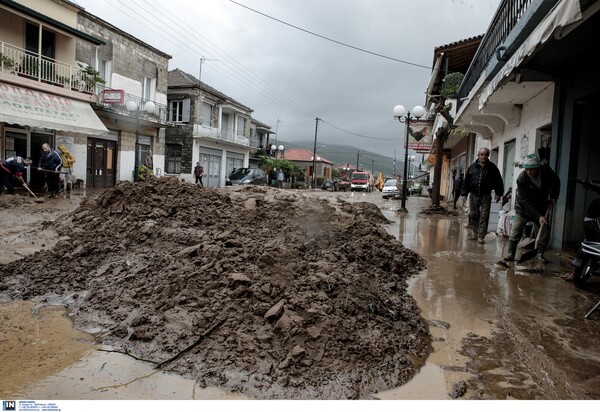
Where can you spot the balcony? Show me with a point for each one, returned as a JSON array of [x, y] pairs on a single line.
[[514, 20], [20, 62], [118, 105], [223, 133]]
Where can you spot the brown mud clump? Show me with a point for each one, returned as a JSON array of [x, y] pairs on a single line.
[[268, 292]]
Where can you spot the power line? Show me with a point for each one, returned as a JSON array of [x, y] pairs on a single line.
[[239, 75], [330, 39], [358, 134]]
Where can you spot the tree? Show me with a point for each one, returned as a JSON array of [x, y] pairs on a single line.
[[289, 168], [451, 84]]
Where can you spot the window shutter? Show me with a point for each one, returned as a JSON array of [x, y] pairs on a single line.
[[185, 118]]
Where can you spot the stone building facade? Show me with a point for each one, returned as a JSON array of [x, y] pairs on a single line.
[[132, 103]]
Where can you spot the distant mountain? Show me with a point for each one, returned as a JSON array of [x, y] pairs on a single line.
[[344, 154]]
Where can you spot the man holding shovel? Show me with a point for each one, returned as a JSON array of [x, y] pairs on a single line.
[[537, 190], [50, 163], [10, 168]]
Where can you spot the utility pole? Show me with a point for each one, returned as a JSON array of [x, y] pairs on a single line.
[[357, 159], [314, 171], [277, 131]]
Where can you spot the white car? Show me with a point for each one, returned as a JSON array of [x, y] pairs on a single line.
[[390, 189]]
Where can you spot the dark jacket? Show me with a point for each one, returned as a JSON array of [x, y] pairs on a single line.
[[14, 166], [458, 183], [50, 161], [481, 180], [198, 171], [532, 202]]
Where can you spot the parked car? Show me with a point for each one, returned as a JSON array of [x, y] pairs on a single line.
[[341, 185], [328, 185], [415, 189], [247, 176], [390, 189]]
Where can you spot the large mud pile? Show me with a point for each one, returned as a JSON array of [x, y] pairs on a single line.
[[268, 292]]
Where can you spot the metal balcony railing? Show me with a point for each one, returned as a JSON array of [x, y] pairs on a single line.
[[508, 14], [20, 62], [225, 134], [158, 114]]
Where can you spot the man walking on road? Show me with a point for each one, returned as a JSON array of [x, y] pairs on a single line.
[[481, 178], [198, 173]]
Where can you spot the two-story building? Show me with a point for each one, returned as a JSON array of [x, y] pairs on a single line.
[[132, 104], [75, 81], [210, 128], [45, 96]]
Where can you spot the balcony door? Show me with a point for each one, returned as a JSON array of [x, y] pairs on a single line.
[[44, 45]]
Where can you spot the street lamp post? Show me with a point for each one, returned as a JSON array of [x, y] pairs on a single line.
[[406, 117], [133, 106], [278, 153]]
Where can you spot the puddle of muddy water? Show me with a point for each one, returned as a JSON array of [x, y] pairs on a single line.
[[43, 357]]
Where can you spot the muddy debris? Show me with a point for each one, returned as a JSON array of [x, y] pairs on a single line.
[[439, 210], [268, 292]]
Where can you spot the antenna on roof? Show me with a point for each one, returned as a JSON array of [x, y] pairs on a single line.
[[202, 60]]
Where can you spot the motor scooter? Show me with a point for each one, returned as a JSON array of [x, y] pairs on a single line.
[[587, 260]]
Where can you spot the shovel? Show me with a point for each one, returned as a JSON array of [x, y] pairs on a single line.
[[36, 199], [527, 243], [49, 171], [530, 254]]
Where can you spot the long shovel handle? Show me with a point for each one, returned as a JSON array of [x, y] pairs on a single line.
[[29, 190], [548, 211], [47, 170]]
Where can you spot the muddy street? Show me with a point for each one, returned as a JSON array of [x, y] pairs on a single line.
[[516, 333]]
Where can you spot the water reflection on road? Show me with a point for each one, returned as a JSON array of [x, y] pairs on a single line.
[[471, 304]]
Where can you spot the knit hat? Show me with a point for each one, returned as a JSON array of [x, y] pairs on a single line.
[[531, 161]]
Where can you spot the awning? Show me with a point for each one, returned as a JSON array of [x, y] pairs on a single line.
[[564, 13], [33, 108]]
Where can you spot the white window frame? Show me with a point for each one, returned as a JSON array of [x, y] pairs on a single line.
[[176, 111], [148, 88]]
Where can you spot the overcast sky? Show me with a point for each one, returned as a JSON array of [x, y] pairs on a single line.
[[289, 75]]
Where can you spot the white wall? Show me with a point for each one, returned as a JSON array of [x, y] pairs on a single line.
[[126, 165], [536, 113]]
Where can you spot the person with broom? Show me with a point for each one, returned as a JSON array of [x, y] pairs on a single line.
[[11, 168], [537, 190]]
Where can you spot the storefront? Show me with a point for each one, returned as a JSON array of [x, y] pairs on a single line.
[[30, 118]]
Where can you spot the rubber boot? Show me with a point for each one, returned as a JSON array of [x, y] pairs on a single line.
[[540, 255], [512, 250]]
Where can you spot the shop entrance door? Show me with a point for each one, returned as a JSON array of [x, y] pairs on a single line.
[[101, 163]]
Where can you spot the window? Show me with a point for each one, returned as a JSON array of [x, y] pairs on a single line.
[[206, 113], [241, 129], [104, 70], [173, 158], [179, 111], [176, 111], [148, 88]]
